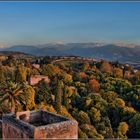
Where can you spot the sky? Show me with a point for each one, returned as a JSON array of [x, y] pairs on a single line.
[[62, 22]]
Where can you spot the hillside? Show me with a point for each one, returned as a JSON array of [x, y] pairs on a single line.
[[103, 97]]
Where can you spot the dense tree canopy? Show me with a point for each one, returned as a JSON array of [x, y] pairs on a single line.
[[99, 95]]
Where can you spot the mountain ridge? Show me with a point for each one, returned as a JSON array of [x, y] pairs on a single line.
[[96, 50]]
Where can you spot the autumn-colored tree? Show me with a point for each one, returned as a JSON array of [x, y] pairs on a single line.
[[106, 67], [64, 112], [127, 113], [94, 68], [94, 85], [122, 130], [83, 76], [50, 70], [86, 66], [45, 107], [117, 72], [67, 78], [119, 102]]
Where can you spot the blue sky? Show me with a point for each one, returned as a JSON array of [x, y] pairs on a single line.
[[45, 22]]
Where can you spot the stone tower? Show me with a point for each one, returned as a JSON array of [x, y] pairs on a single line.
[[38, 124]]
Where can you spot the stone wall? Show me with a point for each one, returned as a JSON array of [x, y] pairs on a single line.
[[24, 125], [14, 128]]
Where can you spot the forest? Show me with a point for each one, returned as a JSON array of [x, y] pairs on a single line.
[[102, 96]]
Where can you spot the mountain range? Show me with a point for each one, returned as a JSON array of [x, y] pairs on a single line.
[[113, 52]]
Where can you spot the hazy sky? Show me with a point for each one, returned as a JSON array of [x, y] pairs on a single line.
[[44, 22]]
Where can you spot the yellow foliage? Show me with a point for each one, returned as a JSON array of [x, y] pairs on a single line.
[[29, 97], [118, 72], [95, 114], [123, 128], [51, 70], [67, 77], [70, 91], [129, 109], [65, 113], [47, 107], [120, 102]]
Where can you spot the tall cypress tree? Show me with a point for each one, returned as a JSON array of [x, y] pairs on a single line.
[[21, 73], [58, 98], [65, 98], [2, 77]]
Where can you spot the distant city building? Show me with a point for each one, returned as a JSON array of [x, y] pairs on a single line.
[[37, 66], [2, 57], [34, 79]]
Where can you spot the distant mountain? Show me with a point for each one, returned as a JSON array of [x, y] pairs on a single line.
[[120, 52]]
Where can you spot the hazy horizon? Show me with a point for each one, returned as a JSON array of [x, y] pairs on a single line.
[[33, 23]]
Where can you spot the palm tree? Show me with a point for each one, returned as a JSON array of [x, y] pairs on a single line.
[[11, 95]]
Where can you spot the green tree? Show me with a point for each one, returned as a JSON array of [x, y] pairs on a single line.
[[109, 96], [11, 95], [59, 93], [95, 115], [91, 131], [81, 134], [29, 97], [83, 118], [2, 76], [104, 127], [21, 73], [43, 93], [134, 125], [137, 77]]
